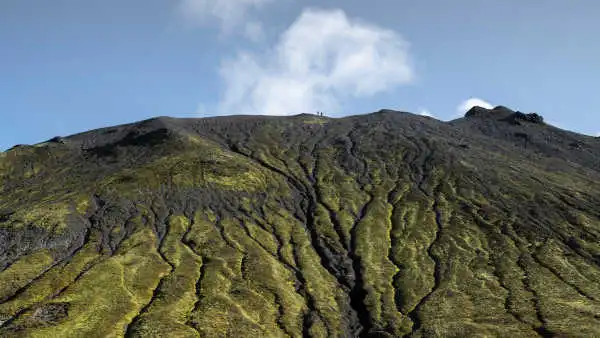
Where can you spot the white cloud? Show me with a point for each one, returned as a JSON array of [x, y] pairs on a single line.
[[254, 31], [470, 103], [323, 57], [425, 112], [230, 13]]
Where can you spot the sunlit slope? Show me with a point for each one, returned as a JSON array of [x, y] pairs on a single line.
[[383, 225]]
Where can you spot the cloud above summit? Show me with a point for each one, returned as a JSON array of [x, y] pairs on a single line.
[[466, 105], [322, 58]]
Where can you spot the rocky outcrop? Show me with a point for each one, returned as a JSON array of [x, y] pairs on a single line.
[[530, 118]]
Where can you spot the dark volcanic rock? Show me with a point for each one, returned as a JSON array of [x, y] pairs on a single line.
[[498, 112], [531, 117], [380, 225], [57, 139], [477, 111]]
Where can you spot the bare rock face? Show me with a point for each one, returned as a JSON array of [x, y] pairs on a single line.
[[531, 117], [57, 139], [506, 114], [477, 111], [380, 225]]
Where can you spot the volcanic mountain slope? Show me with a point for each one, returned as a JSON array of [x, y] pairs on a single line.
[[382, 225]]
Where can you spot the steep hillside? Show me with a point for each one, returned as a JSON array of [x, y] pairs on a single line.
[[381, 225]]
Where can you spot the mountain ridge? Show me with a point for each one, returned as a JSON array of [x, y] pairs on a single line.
[[171, 121], [384, 224]]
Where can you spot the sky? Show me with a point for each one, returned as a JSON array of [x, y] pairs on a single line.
[[67, 66]]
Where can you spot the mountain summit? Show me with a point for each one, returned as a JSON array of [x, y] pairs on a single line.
[[380, 225]]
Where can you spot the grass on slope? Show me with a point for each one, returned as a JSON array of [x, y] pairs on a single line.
[[23, 271], [107, 297], [52, 282], [174, 300]]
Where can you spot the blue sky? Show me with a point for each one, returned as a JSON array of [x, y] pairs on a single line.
[[69, 65]]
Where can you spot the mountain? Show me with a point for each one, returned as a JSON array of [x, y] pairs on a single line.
[[380, 225]]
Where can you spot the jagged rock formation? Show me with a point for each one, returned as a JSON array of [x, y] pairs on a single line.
[[382, 225], [531, 117]]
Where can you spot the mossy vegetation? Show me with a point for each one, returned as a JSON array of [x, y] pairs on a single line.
[[386, 224], [23, 271], [174, 299], [51, 282], [106, 297], [45, 215], [188, 171]]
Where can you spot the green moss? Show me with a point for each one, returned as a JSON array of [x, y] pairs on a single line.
[[49, 213], [14, 164], [282, 226], [20, 273], [272, 282], [341, 194], [44, 215], [318, 329], [472, 282], [372, 246], [189, 170], [109, 295], [218, 314], [52, 281], [168, 314], [245, 307], [417, 231], [249, 290], [263, 237], [328, 296], [562, 307]]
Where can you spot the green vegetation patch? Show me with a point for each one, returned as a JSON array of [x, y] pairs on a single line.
[[190, 170], [23, 271], [563, 306], [108, 296], [372, 246], [50, 216], [52, 281], [169, 311]]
